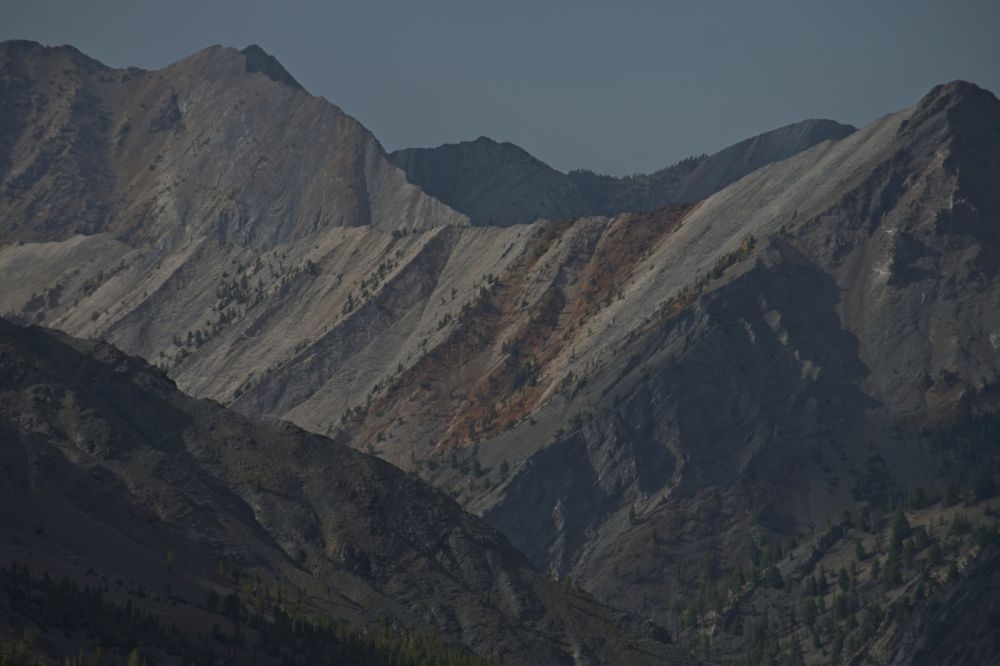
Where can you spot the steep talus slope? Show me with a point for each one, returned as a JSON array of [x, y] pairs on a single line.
[[531, 327], [498, 184], [581, 293], [107, 465]]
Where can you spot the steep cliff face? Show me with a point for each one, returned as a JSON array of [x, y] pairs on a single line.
[[499, 184], [106, 464]]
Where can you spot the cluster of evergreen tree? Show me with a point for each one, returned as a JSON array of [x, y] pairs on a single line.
[[296, 640], [111, 632], [21, 652], [86, 614]]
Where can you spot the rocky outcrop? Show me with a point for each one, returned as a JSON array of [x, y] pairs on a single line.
[[259, 60]]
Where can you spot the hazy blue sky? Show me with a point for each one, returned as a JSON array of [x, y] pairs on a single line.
[[613, 86]]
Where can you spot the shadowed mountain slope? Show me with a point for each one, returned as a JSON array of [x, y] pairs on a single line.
[[499, 184], [495, 184], [108, 467]]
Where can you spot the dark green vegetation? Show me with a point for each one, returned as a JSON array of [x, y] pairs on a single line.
[[856, 592], [104, 631]]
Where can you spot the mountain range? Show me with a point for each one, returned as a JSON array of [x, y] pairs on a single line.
[[500, 184], [674, 393]]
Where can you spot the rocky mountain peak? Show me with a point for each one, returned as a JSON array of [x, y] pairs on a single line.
[[964, 120], [259, 60], [955, 91], [134, 151], [24, 50], [494, 183], [963, 105]]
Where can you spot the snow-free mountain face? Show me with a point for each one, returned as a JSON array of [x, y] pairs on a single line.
[[500, 184], [643, 402], [223, 144], [697, 177]]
